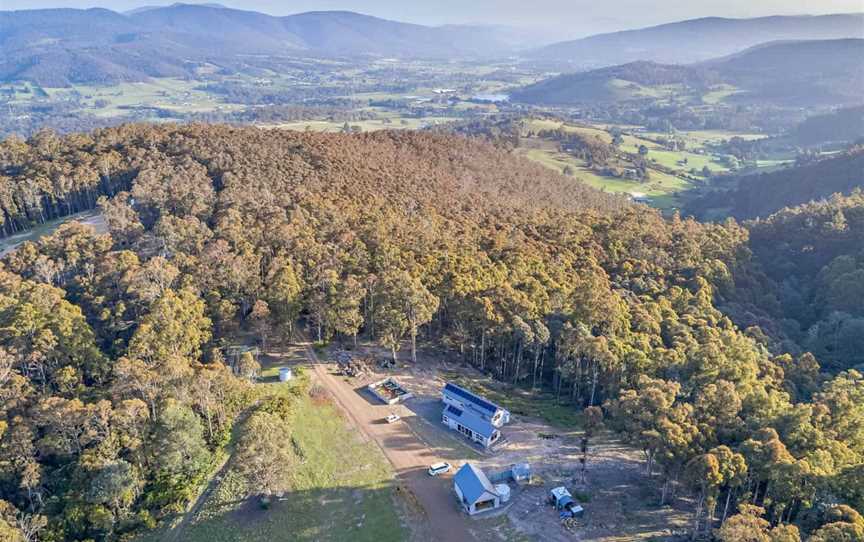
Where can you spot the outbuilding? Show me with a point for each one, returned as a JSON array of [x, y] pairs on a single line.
[[503, 491], [521, 472], [474, 490], [389, 391], [563, 501]]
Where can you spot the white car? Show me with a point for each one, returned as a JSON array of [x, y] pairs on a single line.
[[439, 468], [392, 418]]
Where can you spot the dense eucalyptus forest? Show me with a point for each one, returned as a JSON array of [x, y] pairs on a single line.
[[725, 352]]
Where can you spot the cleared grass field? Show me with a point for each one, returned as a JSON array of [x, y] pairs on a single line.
[[767, 166], [537, 125], [92, 218], [719, 93], [675, 160], [396, 123], [20, 92], [165, 93], [661, 187], [698, 138], [340, 489], [695, 139]]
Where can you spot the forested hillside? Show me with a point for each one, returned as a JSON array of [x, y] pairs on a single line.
[[697, 40], [797, 73], [760, 195], [116, 395], [808, 291], [842, 125], [616, 83], [49, 176], [793, 74]]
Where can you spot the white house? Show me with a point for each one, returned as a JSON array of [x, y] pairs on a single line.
[[472, 415], [470, 425], [465, 400]]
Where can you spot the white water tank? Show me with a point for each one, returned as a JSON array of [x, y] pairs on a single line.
[[503, 491], [285, 374]]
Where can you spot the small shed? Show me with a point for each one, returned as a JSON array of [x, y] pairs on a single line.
[[561, 498], [518, 472], [503, 491], [521, 472], [474, 490], [285, 374]]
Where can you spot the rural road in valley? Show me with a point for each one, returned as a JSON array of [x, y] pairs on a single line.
[[409, 455]]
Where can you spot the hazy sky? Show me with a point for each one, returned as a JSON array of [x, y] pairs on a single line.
[[569, 17]]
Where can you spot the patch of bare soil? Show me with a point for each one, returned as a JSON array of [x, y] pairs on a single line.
[[621, 500]]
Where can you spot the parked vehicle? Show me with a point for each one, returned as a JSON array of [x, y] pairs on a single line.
[[392, 418], [563, 501], [439, 468]]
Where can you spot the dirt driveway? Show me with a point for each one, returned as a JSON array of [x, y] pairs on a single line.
[[408, 453], [622, 499]]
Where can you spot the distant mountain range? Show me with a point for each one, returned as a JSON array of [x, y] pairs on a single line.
[[819, 72], [800, 73], [142, 9], [56, 47], [696, 40]]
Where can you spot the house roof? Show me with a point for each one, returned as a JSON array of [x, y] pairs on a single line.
[[470, 420], [475, 400], [473, 483]]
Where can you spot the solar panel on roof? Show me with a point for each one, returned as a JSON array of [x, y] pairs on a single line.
[[465, 394], [453, 410], [471, 420]]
